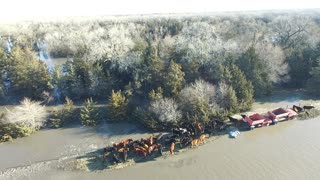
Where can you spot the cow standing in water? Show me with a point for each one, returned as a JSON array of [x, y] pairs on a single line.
[[172, 147]]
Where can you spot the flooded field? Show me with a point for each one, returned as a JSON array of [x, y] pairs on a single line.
[[289, 150], [59, 61]]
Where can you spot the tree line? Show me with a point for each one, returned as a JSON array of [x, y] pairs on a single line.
[[165, 71]]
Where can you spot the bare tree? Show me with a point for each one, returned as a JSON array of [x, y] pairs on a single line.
[[291, 31]]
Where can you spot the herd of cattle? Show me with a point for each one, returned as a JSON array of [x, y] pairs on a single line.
[[188, 136], [153, 145]]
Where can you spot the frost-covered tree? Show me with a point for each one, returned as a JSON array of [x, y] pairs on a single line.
[[30, 114], [166, 111], [274, 58], [198, 42], [198, 100], [291, 31]]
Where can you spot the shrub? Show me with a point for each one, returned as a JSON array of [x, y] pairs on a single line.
[[64, 116], [55, 119], [154, 95], [118, 106], [146, 118], [12, 131], [89, 114]]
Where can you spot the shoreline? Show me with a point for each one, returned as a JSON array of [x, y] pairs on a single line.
[[111, 132], [213, 145]]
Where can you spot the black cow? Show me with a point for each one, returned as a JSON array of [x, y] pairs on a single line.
[[297, 108], [308, 107]]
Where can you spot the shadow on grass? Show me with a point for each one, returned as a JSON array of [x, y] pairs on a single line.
[[97, 160], [100, 160]]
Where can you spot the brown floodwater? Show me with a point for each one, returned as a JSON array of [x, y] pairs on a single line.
[[288, 150]]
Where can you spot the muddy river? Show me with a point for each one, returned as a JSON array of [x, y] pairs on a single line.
[[288, 150]]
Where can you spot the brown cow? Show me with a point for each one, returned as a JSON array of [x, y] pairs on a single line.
[[141, 148], [122, 143], [194, 142], [127, 141], [201, 138], [151, 140], [145, 146], [118, 145], [121, 150], [152, 148], [145, 141], [140, 151], [172, 148]]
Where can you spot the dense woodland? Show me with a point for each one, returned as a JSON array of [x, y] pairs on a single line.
[[162, 70]]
